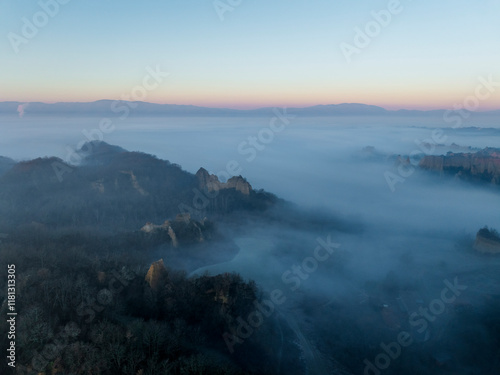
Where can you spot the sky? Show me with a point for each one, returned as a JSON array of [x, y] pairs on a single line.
[[248, 54]]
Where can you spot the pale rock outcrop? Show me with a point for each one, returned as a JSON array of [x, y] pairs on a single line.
[[173, 237], [487, 242], [135, 183], [155, 274], [484, 164], [151, 228], [182, 230], [486, 246], [210, 182]]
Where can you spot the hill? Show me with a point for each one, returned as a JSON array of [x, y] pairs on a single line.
[[116, 190], [5, 164]]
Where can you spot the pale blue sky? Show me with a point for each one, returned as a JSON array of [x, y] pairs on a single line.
[[283, 52]]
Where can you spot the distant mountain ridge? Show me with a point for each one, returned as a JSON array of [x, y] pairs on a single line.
[[117, 107]]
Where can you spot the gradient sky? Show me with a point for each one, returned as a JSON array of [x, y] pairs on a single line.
[[264, 53]]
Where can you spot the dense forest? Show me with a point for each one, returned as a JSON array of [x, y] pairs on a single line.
[[88, 310], [104, 253], [91, 299]]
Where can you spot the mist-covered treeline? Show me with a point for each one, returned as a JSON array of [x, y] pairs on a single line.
[[399, 249], [111, 190], [85, 310]]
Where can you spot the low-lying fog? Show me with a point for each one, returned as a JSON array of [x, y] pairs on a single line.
[[315, 162], [418, 231]]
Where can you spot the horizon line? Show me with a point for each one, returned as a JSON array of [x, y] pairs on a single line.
[[245, 109]]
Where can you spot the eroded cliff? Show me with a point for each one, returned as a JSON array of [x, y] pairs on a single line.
[[483, 165]]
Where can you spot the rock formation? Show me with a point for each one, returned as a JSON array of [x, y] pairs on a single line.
[[135, 183], [173, 237], [182, 230], [150, 227], [483, 165], [487, 241], [119, 192], [155, 273], [210, 182]]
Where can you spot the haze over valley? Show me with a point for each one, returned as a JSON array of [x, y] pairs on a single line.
[[398, 232], [232, 187]]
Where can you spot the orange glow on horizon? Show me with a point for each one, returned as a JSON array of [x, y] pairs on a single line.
[[252, 99]]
